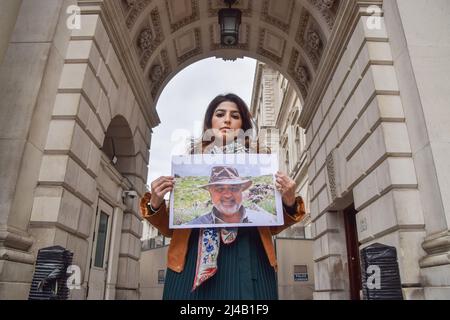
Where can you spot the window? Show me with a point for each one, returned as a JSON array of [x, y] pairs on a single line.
[[101, 240], [300, 272], [161, 276]]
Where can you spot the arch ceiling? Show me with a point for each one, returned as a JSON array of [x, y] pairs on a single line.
[[167, 35]]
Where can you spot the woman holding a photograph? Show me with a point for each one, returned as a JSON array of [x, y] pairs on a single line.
[[246, 265]]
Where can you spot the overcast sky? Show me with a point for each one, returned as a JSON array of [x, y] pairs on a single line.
[[183, 103]]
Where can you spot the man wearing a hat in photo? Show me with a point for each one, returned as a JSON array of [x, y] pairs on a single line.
[[226, 188]]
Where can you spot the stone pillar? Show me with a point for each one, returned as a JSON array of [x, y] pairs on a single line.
[[8, 16], [420, 39], [29, 76], [359, 148]]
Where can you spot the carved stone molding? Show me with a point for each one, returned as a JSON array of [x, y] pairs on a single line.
[[194, 16], [328, 10], [271, 46], [437, 247], [158, 72], [196, 48], [298, 70], [331, 173], [132, 9], [148, 41], [244, 38], [309, 38]]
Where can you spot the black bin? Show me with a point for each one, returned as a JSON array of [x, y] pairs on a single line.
[[380, 273], [50, 274]]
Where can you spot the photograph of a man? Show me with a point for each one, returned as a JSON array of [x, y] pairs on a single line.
[[226, 189]]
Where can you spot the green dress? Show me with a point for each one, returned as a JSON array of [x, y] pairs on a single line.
[[243, 272]]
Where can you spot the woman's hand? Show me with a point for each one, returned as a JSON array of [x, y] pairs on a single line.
[[160, 187], [286, 186]]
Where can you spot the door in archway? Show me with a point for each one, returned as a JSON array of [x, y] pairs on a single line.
[[351, 237], [100, 249]]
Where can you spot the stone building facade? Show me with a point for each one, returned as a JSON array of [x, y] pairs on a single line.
[[79, 86]]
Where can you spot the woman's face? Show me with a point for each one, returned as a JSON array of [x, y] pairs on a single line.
[[226, 120]]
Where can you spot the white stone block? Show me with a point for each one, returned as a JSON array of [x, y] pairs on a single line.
[[379, 52], [317, 120], [80, 50], [355, 168], [70, 210], [86, 185], [390, 107], [88, 26], [314, 205], [346, 120], [94, 159], [323, 131], [321, 157], [53, 168], [125, 243], [350, 83], [334, 111], [66, 104], [384, 77], [327, 100], [373, 149], [356, 41], [408, 207], [324, 200], [402, 171], [309, 136], [95, 129], [311, 170], [73, 76], [396, 137], [102, 39], [113, 63], [104, 76], [314, 146], [331, 140]]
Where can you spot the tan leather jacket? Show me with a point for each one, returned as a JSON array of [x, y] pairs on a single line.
[[179, 243]]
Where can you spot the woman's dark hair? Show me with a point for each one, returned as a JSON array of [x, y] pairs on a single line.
[[244, 112]]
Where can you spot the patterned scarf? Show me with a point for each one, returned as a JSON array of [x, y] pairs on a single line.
[[208, 239]]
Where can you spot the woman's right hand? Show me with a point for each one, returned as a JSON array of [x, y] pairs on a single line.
[[159, 188]]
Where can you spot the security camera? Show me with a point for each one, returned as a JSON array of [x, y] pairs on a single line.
[[130, 194]]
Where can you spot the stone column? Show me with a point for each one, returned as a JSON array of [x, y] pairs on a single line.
[[8, 16], [29, 76], [420, 34]]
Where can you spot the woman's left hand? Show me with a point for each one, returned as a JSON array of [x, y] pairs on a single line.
[[286, 186]]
